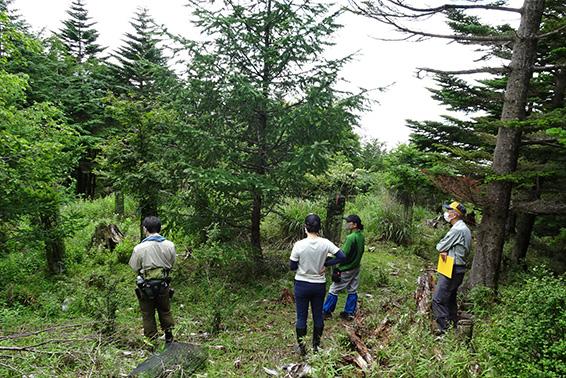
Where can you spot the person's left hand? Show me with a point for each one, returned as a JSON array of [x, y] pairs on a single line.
[[444, 255]]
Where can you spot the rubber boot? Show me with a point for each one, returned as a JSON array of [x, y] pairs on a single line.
[[329, 305], [351, 304], [317, 333], [301, 333]]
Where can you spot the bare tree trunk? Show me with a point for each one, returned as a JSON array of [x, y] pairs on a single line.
[[491, 236], [86, 179], [525, 223]]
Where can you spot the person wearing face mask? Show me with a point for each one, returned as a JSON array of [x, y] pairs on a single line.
[[309, 259], [456, 243], [347, 273]]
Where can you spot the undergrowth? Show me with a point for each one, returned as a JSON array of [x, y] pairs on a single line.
[[86, 321]]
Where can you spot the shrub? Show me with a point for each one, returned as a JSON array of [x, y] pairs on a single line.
[[526, 338], [285, 224]]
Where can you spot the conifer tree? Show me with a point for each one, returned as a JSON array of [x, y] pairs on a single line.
[[141, 71], [510, 126], [537, 175], [142, 79], [267, 96], [78, 33]]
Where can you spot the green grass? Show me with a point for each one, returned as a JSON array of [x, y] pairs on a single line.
[[223, 302]]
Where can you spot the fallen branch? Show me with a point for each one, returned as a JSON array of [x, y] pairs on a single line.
[[383, 326], [360, 347], [50, 329], [10, 367], [31, 348]]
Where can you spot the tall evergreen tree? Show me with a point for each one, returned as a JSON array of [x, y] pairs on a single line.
[[141, 70], [142, 80], [497, 198], [86, 85], [537, 176], [267, 96], [78, 33]]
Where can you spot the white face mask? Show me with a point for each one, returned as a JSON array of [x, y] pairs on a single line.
[[447, 216]]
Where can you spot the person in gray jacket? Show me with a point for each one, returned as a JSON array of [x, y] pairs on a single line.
[[152, 260], [456, 244]]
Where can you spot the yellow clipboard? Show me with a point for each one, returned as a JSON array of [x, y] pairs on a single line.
[[445, 268]]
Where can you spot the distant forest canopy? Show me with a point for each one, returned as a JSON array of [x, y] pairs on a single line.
[[255, 118]]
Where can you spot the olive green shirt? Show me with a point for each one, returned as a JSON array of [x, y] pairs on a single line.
[[353, 249]]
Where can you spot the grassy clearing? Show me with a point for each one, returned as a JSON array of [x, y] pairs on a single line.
[[86, 323]]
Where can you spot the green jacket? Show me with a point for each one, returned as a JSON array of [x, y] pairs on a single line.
[[353, 249]]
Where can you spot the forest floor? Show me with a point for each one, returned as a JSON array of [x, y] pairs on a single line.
[[245, 321]]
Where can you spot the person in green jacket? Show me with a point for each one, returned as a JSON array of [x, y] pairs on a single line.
[[347, 274]]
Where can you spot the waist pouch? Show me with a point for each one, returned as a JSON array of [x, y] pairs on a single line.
[[153, 288]]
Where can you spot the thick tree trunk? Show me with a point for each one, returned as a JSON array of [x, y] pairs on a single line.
[[256, 221], [86, 179], [54, 244], [491, 236], [526, 221]]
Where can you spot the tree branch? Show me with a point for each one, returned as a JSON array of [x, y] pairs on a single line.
[[445, 7], [382, 15], [26, 334], [551, 33], [540, 207], [491, 70]]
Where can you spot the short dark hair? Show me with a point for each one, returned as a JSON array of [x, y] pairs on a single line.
[[152, 224], [312, 223], [355, 219]]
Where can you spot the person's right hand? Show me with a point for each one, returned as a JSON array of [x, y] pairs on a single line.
[[443, 255]]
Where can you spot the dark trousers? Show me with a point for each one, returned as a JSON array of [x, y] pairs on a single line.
[[160, 303], [313, 293], [444, 299]]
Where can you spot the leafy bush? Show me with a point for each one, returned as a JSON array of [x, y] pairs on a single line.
[[285, 224], [384, 217], [526, 338]]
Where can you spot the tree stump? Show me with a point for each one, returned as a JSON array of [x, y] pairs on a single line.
[[107, 235], [423, 294]]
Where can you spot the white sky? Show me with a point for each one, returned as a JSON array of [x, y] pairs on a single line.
[[378, 64]]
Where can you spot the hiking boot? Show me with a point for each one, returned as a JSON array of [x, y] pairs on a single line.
[[327, 315], [168, 337], [346, 316], [300, 348]]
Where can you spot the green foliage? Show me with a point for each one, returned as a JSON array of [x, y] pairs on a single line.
[[282, 121], [404, 176], [285, 224], [384, 218], [78, 34], [526, 337]]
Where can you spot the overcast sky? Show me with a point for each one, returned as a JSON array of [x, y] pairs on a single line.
[[378, 63]]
